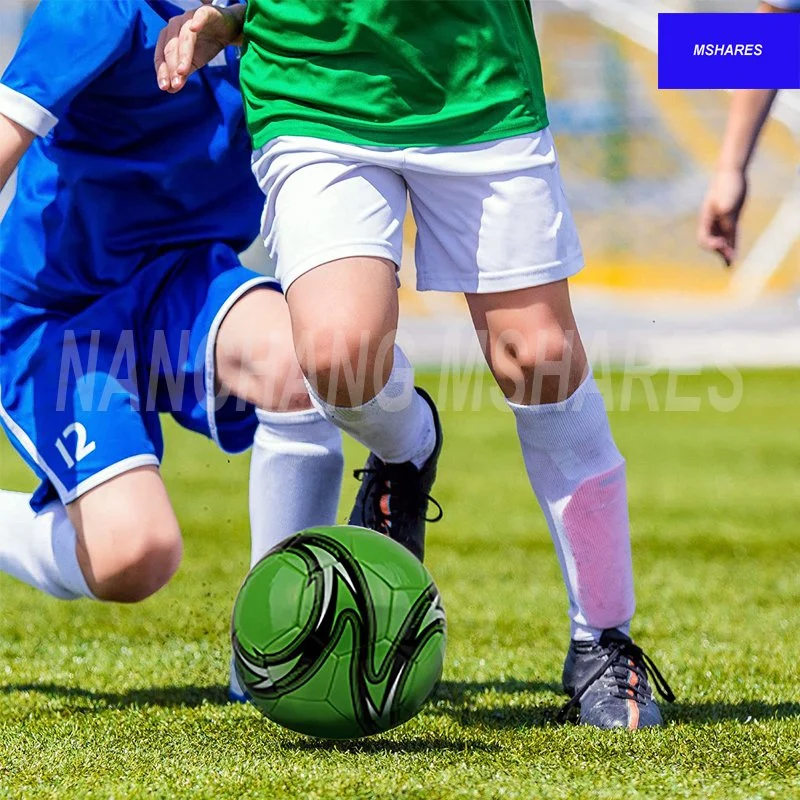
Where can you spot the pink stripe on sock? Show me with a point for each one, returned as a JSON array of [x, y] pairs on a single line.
[[596, 527]]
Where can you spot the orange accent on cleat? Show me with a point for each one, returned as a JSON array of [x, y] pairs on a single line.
[[633, 706], [386, 510]]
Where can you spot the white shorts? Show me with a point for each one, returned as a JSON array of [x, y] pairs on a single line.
[[490, 217]]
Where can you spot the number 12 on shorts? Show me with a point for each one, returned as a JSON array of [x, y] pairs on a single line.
[[82, 447]]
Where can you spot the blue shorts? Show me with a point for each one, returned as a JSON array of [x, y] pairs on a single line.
[[81, 394]]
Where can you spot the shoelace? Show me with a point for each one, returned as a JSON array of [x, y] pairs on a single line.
[[623, 657], [411, 503]]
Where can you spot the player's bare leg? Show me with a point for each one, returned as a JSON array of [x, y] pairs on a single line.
[[534, 350], [118, 542], [531, 342], [127, 539], [255, 357], [344, 319], [296, 462]]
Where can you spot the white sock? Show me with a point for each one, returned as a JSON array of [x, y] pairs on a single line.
[[295, 477], [396, 425], [578, 476], [39, 549]]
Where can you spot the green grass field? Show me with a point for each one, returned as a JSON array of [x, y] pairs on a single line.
[[112, 702]]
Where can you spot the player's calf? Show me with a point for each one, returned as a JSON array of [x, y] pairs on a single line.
[[578, 475]]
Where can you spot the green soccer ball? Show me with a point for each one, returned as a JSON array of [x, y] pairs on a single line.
[[339, 633]]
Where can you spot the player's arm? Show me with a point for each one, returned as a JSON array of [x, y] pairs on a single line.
[[193, 39], [719, 215], [14, 141], [750, 110]]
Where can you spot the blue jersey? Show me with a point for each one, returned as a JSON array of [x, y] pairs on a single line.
[[121, 173]]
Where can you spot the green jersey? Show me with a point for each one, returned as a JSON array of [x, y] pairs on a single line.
[[397, 73]]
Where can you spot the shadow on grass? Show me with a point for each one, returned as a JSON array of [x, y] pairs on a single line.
[[463, 701], [87, 701], [508, 704], [511, 704], [498, 704], [164, 696], [377, 746]]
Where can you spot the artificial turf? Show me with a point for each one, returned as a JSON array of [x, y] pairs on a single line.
[[126, 702]]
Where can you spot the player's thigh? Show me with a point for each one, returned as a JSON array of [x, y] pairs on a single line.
[[128, 539], [333, 224], [327, 202], [182, 329], [255, 354], [492, 217], [538, 323]]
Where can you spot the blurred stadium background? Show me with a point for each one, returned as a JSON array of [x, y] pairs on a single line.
[[636, 163]]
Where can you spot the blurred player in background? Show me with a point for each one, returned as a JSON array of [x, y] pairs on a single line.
[[355, 106], [719, 216], [122, 296]]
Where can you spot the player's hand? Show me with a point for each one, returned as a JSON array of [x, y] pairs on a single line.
[[719, 216], [193, 39]]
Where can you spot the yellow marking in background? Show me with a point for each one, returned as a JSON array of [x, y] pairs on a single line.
[[787, 276], [625, 275]]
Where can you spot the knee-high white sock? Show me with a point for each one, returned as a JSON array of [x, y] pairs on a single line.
[[295, 479], [39, 549], [295, 476], [396, 425], [578, 476]]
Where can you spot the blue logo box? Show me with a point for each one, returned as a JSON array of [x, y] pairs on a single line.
[[729, 51]]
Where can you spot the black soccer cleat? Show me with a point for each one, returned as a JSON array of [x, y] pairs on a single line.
[[393, 498], [608, 684]]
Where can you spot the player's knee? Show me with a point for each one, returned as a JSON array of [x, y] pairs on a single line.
[[347, 366], [145, 556], [282, 387], [541, 369]]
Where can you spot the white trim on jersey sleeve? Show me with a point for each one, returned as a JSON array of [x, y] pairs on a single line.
[[785, 5], [21, 109]]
